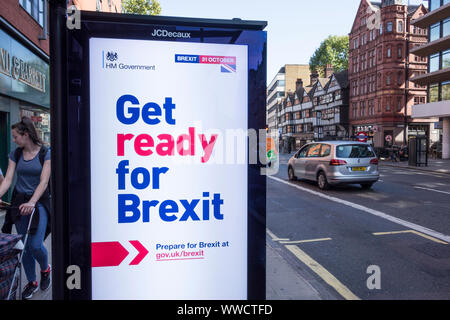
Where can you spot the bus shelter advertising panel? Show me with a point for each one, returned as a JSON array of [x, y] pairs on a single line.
[[158, 114]]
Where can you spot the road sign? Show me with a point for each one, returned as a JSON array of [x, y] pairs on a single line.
[[361, 136], [388, 138], [166, 214]]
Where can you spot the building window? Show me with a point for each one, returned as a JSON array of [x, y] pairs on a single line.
[[371, 108], [446, 59], [400, 26], [434, 4], [435, 31], [389, 52], [35, 8], [445, 91], [388, 106], [389, 27], [446, 27], [433, 94], [399, 52], [399, 104], [388, 80], [434, 63], [381, 29]]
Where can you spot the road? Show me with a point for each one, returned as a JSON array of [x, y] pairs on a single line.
[[346, 238]]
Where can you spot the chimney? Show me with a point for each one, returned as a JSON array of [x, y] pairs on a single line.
[[298, 84], [329, 70], [314, 77]]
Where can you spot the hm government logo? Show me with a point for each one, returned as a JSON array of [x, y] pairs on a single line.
[[110, 60], [112, 56]]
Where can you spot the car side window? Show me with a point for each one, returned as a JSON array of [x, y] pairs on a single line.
[[314, 151], [303, 152], [325, 150]]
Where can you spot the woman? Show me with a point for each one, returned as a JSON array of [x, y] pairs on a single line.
[[31, 192]]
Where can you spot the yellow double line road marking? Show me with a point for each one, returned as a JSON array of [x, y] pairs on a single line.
[[303, 241], [410, 231], [314, 265], [323, 273]]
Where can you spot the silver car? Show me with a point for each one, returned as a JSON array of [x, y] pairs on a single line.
[[335, 162]]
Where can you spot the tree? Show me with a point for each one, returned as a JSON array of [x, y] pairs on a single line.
[[333, 50], [141, 7]]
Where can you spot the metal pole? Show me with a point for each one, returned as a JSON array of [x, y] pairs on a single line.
[[405, 128], [58, 91]]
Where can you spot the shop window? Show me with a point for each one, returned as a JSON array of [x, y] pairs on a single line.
[[41, 121]]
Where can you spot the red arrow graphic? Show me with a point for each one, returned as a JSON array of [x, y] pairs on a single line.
[[111, 254], [107, 254], [142, 252]]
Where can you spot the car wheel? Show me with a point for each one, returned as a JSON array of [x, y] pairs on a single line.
[[366, 186], [291, 175], [322, 181]]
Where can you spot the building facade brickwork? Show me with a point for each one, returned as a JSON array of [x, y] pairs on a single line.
[[380, 69]]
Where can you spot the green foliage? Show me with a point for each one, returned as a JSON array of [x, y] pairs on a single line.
[[141, 7], [333, 50]]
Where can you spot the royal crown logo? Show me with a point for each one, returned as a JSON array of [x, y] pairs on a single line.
[[111, 56]]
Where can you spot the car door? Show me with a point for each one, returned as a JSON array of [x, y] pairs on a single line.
[[312, 161], [300, 162]]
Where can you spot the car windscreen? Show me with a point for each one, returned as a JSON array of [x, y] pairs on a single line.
[[354, 151]]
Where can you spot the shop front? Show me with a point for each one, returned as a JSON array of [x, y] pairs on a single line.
[[24, 89]]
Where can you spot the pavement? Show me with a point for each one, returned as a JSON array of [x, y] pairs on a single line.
[[283, 280], [39, 295], [434, 165]]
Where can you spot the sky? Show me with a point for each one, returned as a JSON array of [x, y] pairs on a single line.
[[295, 27]]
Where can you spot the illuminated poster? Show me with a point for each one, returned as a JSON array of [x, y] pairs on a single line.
[[168, 206]]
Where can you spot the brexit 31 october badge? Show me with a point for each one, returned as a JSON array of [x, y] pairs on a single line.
[[227, 64]]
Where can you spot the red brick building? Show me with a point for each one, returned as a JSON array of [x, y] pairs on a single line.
[[380, 68]]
